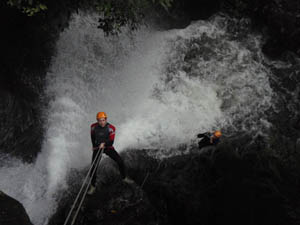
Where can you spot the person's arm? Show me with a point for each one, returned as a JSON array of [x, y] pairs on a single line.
[[93, 136], [111, 138], [201, 135]]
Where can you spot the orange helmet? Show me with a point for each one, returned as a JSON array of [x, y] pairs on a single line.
[[217, 134], [101, 115]]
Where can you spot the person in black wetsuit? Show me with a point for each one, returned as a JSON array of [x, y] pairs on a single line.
[[103, 136], [209, 138]]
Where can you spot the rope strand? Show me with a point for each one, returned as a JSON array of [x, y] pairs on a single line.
[[82, 186]]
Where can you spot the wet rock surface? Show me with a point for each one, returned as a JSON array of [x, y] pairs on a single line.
[[20, 125], [223, 186], [119, 203], [12, 212], [114, 201], [27, 45], [278, 20], [214, 186]]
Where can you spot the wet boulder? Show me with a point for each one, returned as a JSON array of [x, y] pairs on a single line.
[[12, 212]]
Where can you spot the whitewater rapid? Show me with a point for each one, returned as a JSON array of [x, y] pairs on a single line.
[[159, 88]]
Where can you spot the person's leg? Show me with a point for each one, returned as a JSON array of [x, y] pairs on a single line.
[[94, 167], [113, 154]]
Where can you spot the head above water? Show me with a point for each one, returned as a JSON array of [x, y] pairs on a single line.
[[101, 118], [217, 134]]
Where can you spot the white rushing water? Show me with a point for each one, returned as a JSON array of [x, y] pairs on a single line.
[[158, 88]]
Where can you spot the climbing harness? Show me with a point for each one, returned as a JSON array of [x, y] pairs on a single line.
[[86, 183]]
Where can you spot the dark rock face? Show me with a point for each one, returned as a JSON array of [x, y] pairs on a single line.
[[114, 202], [216, 186], [283, 23], [12, 212], [278, 20], [20, 125], [222, 187], [27, 45], [198, 9], [119, 203], [183, 12]]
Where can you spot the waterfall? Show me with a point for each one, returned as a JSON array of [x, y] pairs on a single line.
[[159, 88]]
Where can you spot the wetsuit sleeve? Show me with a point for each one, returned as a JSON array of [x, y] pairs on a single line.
[[111, 138], [93, 136], [201, 135]]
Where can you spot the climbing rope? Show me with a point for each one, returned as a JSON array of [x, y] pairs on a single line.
[[87, 181], [148, 173]]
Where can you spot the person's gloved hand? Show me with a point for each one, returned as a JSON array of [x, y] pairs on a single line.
[[102, 145]]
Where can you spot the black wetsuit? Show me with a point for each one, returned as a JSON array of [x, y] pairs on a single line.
[[105, 135], [205, 141]]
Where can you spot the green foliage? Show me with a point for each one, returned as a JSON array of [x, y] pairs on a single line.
[[28, 7], [117, 13], [113, 14], [166, 4]]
